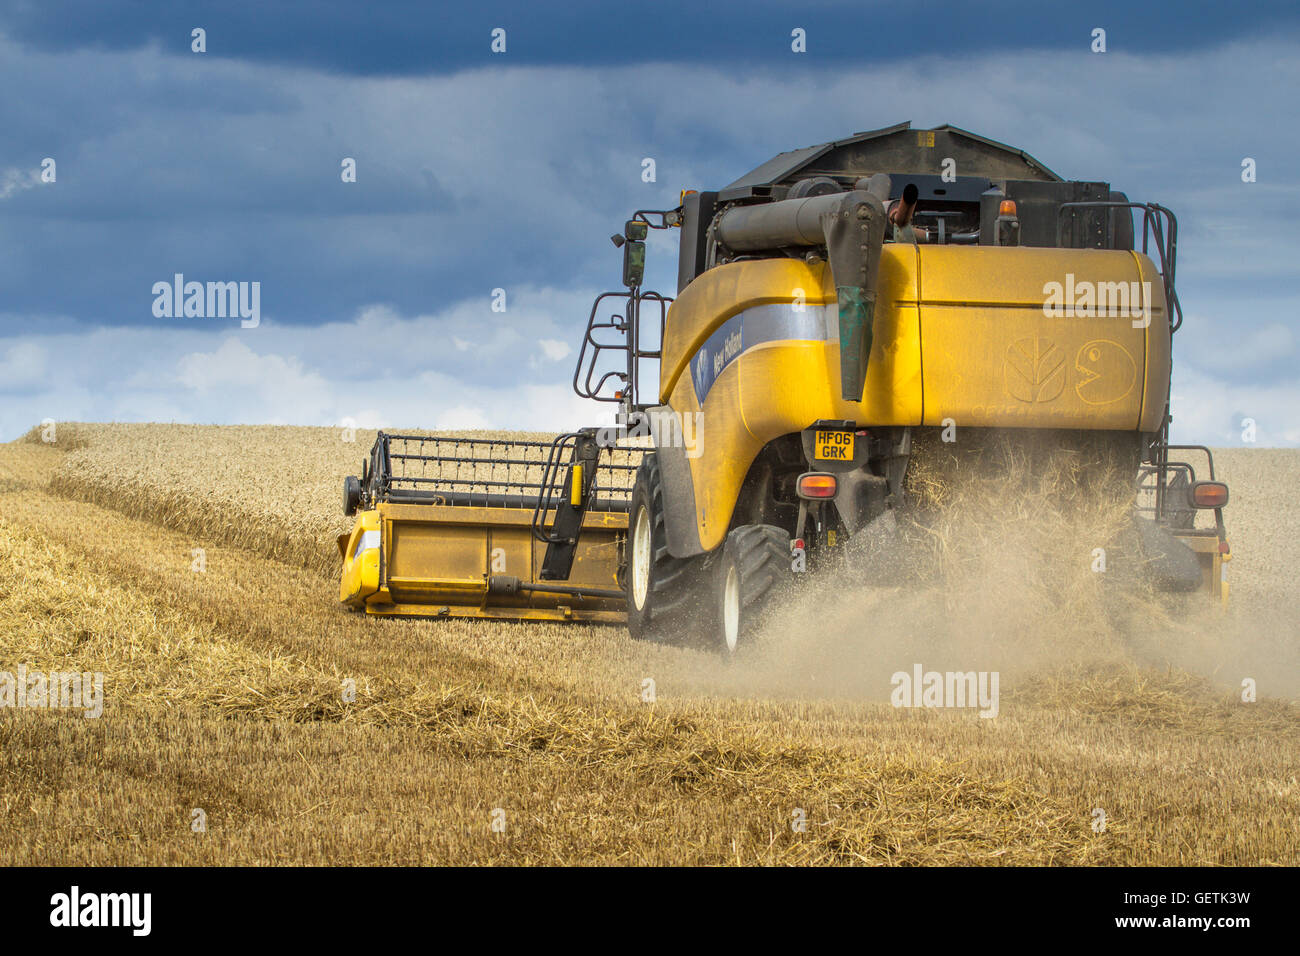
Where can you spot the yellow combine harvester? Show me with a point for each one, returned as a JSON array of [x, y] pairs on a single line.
[[834, 305]]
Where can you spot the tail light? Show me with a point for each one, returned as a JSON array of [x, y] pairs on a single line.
[[1209, 494], [817, 484]]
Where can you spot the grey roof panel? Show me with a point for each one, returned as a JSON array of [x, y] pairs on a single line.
[[780, 166], [784, 166]]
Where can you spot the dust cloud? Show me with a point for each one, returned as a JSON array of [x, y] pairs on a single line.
[[998, 566]]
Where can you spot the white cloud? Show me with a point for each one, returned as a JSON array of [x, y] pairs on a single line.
[[288, 375], [22, 366], [462, 416], [236, 366], [381, 369], [1209, 411], [279, 387], [554, 349], [14, 181]]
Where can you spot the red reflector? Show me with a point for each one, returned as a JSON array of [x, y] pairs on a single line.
[[1223, 547], [817, 485], [798, 543], [1209, 494]]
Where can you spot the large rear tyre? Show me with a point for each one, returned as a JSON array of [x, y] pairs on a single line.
[[755, 561], [665, 595]]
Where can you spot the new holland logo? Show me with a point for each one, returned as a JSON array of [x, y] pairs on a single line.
[[1034, 370], [722, 347], [701, 371]]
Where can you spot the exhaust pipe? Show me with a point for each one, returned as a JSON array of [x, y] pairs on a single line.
[[852, 227]]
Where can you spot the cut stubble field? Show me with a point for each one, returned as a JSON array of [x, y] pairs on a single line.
[[223, 693]]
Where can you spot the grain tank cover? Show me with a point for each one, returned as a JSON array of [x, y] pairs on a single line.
[[895, 150]]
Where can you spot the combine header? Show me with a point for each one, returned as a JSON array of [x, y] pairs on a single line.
[[834, 306], [480, 527]]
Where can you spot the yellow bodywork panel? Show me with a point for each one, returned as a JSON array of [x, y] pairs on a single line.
[[435, 560], [959, 332], [723, 292], [360, 552], [992, 358]]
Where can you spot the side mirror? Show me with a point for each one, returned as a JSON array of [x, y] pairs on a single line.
[[633, 263]]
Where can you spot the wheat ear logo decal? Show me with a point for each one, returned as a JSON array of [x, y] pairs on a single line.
[[1034, 369]]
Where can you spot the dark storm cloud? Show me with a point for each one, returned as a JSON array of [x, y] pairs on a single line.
[[414, 37], [479, 172]]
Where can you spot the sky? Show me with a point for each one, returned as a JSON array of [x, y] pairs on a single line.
[[479, 170]]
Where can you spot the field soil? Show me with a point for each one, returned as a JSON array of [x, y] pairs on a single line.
[[195, 568]]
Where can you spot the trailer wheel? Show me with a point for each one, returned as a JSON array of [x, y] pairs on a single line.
[[665, 595], [755, 561]]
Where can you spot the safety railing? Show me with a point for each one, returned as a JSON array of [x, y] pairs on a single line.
[[483, 472], [618, 332], [1159, 225]]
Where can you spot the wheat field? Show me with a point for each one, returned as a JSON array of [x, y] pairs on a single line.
[[488, 743]]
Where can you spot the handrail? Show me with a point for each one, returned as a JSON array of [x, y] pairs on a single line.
[[546, 494], [1153, 225], [628, 325]]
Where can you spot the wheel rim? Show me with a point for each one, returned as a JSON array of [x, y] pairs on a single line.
[[731, 609], [641, 557]]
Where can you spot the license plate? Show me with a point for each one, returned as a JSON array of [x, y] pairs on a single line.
[[833, 446]]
